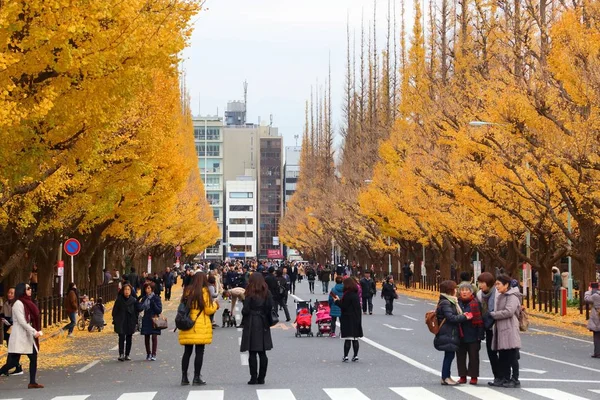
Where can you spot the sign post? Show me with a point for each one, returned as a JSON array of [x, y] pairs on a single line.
[[476, 270], [72, 248], [149, 264], [60, 271]]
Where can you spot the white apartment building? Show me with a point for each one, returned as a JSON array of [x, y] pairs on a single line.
[[241, 224]]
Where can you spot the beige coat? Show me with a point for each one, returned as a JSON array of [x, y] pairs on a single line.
[[21, 337], [506, 329], [594, 301]]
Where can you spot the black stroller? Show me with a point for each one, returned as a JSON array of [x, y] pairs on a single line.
[[303, 318]]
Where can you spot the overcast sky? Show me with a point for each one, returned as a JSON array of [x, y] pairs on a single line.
[[281, 48]]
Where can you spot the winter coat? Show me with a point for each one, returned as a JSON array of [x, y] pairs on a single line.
[[168, 279], [448, 338], [294, 274], [325, 275], [271, 282], [351, 318], [256, 335], [388, 291], [470, 333], [311, 274], [506, 330], [154, 311], [124, 314], [97, 313], [283, 284], [202, 331], [21, 336], [592, 297], [334, 309], [368, 287], [71, 302]]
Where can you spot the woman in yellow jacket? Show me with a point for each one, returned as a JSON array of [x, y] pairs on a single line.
[[201, 306]]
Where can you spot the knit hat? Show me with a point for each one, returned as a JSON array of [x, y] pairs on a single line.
[[465, 285], [514, 283]]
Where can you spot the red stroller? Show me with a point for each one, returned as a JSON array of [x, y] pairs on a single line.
[[323, 318], [303, 319]]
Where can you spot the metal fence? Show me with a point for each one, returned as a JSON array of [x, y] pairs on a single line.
[[52, 309]]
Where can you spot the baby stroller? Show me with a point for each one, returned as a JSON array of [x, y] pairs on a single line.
[[304, 318], [323, 318]]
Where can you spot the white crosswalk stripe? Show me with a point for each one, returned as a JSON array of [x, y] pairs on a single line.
[[485, 393], [206, 395], [345, 394], [137, 396], [416, 393], [275, 394], [80, 397], [595, 390], [554, 394]]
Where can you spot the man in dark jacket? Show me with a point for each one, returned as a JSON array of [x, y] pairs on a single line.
[[134, 281], [324, 277], [310, 276], [293, 272], [168, 280], [368, 291], [407, 272], [272, 282], [282, 293]]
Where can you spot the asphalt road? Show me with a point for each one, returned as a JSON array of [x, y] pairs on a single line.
[[397, 361]]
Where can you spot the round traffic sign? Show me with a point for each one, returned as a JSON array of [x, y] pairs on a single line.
[[178, 248], [72, 247]]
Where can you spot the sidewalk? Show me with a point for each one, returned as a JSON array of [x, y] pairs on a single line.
[[61, 352]]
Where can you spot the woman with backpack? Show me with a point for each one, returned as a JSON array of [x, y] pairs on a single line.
[[351, 319], [257, 321], [201, 306], [449, 317], [507, 340]]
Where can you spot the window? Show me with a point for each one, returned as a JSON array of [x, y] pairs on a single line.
[[241, 208], [241, 221], [213, 198], [242, 248], [212, 182], [216, 214], [209, 166], [213, 133], [241, 195], [208, 150], [235, 234]]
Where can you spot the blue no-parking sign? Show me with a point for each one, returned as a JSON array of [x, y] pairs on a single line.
[[72, 247]]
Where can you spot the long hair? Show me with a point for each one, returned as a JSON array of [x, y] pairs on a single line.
[[350, 285], [194, 292], [257, 287]]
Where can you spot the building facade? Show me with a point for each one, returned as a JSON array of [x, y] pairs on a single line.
[[291, 172], [270, 195], [208, 138], [241, 234]]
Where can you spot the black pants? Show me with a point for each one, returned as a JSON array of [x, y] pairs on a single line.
[[389, 305], [492, 355], [187, 353], [347, 347], [407, 281], [13, 359], [472, 350], [282, 302], [293, 286], [311, 286], [367, 301], [167, 292], [125, 344], [154, 344], [596, 344], [255, 372], [333, 326], [507, 359]]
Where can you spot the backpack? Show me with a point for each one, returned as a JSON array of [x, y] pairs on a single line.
[[431, 321], [523, 320], [183, 321]]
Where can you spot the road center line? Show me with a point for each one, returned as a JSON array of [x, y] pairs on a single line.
[[562, 336], [244, 358], [90, 365], [409, 317]]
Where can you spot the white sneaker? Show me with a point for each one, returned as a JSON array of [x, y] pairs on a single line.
[[70, 335]]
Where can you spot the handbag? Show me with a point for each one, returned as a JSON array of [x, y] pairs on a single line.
[[274, 317], [160, 322]]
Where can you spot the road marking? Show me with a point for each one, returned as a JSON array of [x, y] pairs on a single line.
[[115, 348], [296, 297], [275, 394], [239, 341], [81, 397], [244, 358], [409, 317], [343, 394], [560, 362], [535, 371], [416, 393], [432, 304], [240, 329], [402, 357], [137, 396], [206, 395], [404, 304], [411, 299], [90, 365], [562, 336], [399, 329], [484, 393], [554, 394], [595, 390]]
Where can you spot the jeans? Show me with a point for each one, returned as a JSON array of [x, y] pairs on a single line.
[[367, 301], [125, 344], [71, 324], [311, 286], [185, 360], [492, 354], [293, 286], [447, 364], [333, 326], [389, 305], [325, 286]]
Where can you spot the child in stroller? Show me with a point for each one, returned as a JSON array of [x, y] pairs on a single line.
[[323, 318], [304, 318]]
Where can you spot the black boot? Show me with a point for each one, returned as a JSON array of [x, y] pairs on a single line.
[[262, 372], [197, 381], [184, 379], [253, 365]]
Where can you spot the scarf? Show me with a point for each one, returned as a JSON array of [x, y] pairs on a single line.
[[453, 300], [146, 305], [477, 321], [32, 314], [488, 300]]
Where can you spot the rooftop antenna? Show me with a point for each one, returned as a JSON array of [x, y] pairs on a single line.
[[245, 102], [296, 137]]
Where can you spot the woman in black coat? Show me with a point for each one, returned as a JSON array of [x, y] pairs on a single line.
[[351, 319], [152, 307], [449, 316], [256, 318], [124, 315]]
